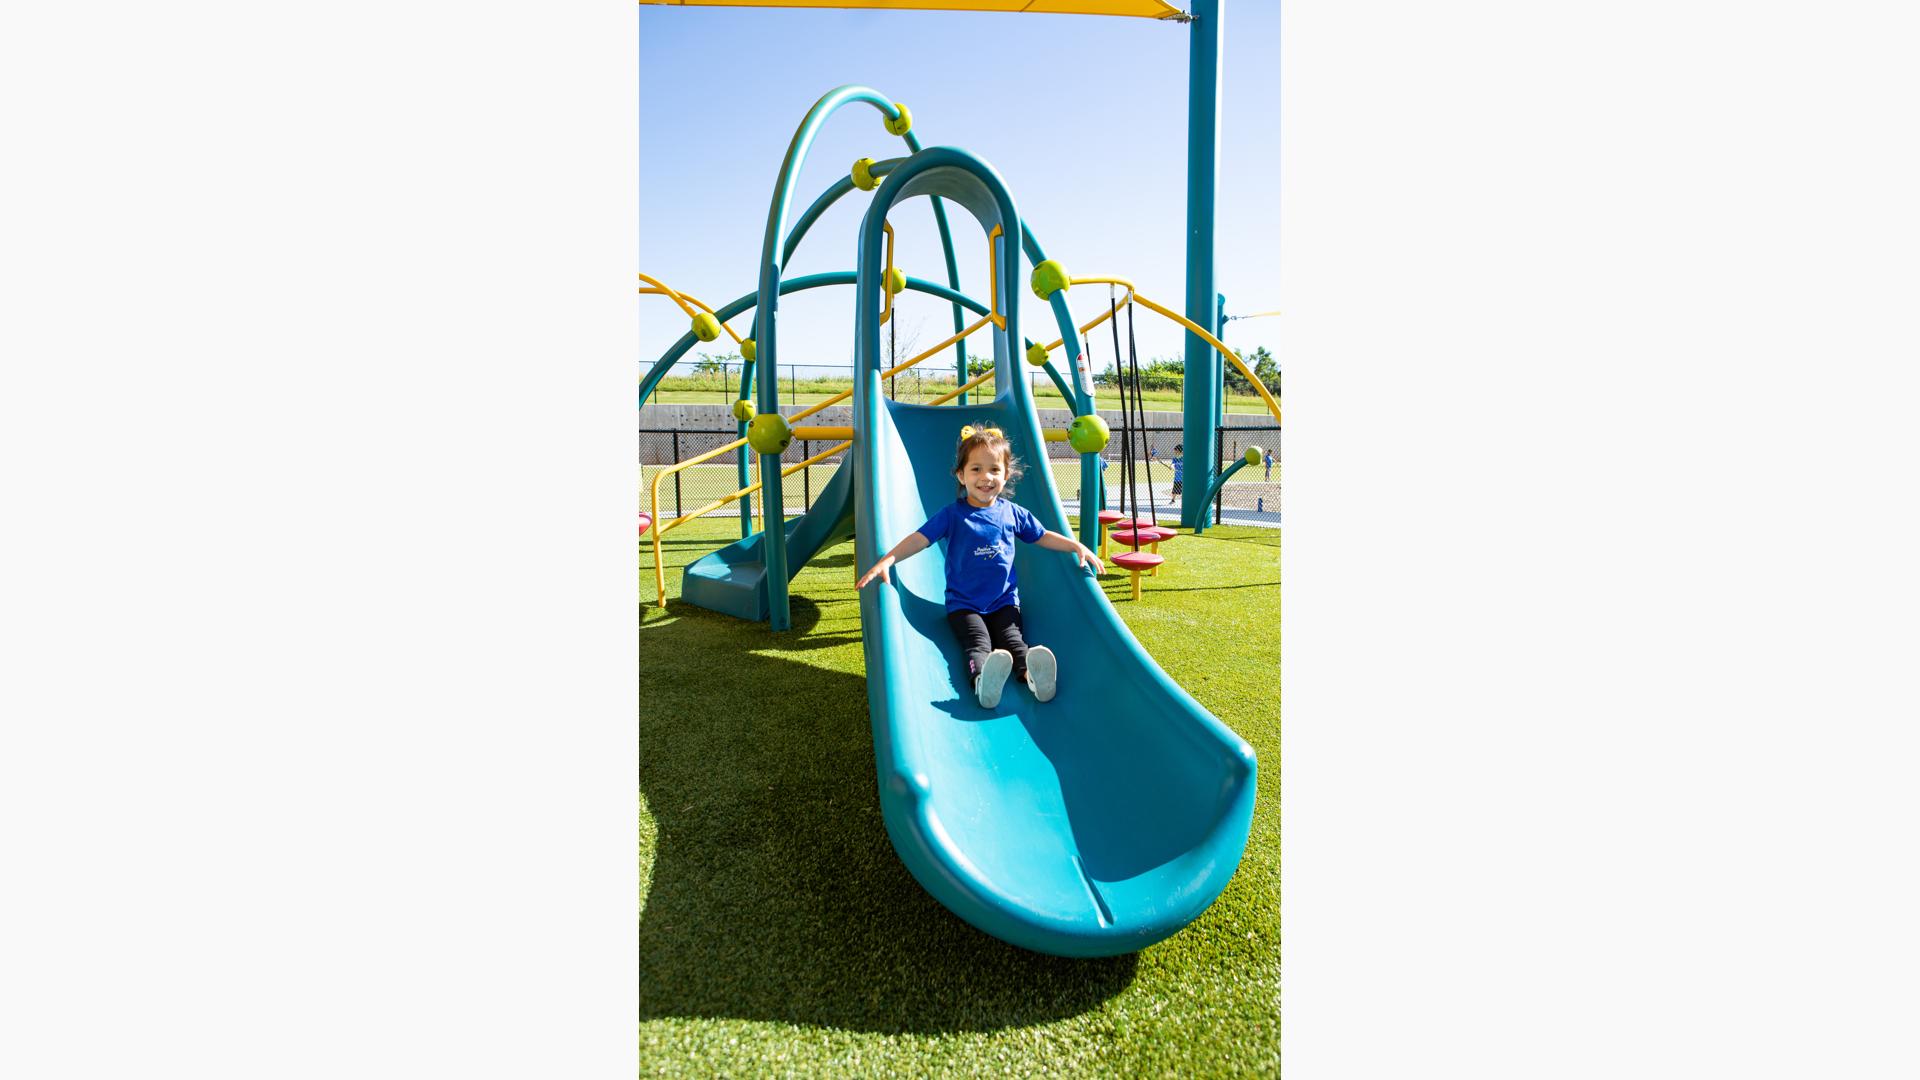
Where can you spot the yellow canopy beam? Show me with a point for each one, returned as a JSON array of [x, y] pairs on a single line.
[[1143, 9]]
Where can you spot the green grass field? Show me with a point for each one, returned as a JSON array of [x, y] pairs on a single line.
[[708, 390], [781, 936]]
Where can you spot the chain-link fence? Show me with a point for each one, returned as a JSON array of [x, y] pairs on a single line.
[[686, 490], [1159, 473]]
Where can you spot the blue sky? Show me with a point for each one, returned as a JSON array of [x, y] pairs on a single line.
[[1085, 118]]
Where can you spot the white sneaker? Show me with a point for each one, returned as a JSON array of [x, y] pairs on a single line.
[[993, 676], [1043, 672]]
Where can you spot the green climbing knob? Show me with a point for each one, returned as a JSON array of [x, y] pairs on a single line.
[[746, 348], [743, 410], [902, 125], [1037, 354], [1253, 455], [863, 174], [768, 433], [1048, 278], [706, 327], [1087, 434], [896, 281]]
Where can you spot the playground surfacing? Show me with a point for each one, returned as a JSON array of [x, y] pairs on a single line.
[[779, 932]]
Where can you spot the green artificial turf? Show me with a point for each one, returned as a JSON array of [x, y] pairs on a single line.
[[781, 936]]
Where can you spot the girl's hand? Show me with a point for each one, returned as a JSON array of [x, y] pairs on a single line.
[[1089, 558], [879, 570]]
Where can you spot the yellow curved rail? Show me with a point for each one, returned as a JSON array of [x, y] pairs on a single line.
[[688, 302], [1272, 405], [1133, 295]]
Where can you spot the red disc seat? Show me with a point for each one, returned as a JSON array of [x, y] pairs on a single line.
[[645, 521], [1134, 562]]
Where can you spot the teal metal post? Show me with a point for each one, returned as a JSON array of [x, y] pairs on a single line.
[[1203, 365], [773, 545], [1082, 385]]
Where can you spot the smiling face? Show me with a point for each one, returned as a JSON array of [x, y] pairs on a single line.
[[984, 475]]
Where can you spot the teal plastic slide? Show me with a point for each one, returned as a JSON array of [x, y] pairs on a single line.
[[1093, 825]]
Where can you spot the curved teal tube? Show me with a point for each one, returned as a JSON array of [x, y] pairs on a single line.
[[1206, 516], [1095, 824], [813, 281], [773, 511]]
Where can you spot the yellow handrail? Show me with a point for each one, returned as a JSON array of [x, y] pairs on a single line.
[[1103, 316], [886, 294], [653, 502], [845, 394], [963, 388], [993, 281]]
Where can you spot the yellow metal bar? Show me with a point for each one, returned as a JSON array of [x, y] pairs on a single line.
[[886, 294], [993, 281], [686, 299], [653, 507], [1103, 316], [890, 372], [668, 291], [1054, 434], [823, 433], [1122, 282], [963, 388], [659, 571], [1272, 405]]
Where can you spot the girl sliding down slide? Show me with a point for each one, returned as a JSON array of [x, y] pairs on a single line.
[[983, 601]]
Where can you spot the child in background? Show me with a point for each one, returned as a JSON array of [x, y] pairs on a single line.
[[983, 600], [1179, 468]]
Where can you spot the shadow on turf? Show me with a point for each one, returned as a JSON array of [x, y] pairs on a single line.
[[775, 893]]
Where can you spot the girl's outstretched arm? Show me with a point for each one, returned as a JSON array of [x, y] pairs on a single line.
[[905, 549], [1053, 541]]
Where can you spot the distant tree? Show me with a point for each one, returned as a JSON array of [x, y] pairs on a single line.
[[1264, 367], [709, 364]]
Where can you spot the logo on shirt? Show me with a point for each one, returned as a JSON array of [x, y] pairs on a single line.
[[987, 551]]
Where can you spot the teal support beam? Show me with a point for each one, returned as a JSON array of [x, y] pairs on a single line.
[[773, 544], [1203, 366], [1091, 493]]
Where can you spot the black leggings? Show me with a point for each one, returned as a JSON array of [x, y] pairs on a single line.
[[980, 634]]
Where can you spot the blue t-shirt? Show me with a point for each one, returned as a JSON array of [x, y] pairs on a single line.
[[980, 551]]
